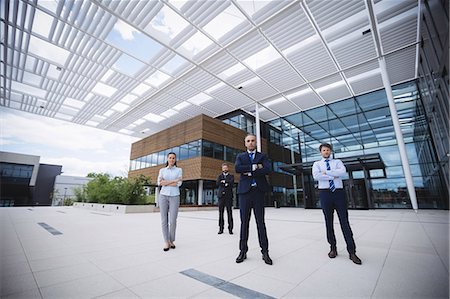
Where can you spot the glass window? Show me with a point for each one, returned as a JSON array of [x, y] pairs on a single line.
[[218, 151], [207, 149], [184, 152]]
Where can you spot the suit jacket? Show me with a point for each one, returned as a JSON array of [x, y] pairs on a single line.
[[225, 189], [243, 166]]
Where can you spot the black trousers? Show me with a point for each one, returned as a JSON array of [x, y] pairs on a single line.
[[228, 204], [254, 199], [329, 202]]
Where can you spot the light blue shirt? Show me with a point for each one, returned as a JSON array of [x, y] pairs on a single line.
[[170, 173], [336, 173]]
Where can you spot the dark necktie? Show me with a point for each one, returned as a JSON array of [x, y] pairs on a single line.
[[251, 160], [332, 186]]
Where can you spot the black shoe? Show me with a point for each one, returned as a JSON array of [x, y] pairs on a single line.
[[230, 231], [241, 257], [332, 254], [355, 259], [267, 258], [172, 246], [166, 248], [220, 232]]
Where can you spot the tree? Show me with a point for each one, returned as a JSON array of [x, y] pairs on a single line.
[[118, 190]]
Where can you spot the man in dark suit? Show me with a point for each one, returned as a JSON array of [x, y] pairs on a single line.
[[253, 168], [225, 183]]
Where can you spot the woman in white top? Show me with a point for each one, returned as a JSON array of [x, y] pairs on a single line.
[[170, 178]]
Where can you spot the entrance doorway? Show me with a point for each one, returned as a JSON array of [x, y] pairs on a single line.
[[356, 194]]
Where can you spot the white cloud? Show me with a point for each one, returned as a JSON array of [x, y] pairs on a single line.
[[126, 31], [79, 149]]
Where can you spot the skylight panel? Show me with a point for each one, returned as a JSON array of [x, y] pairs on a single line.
[[300, 45], [167, 22], [365, 75], [330, 86], [48, 51], [262, 58], [52, 72], [298, 93], [128, 99], [32, 79], [224, 22], [250, 82], [157, 78], [120, 107], [128, 65], [251, 7], [154, 118], [215, 87], [107, 75], [132, 41], [63, 116], [173, 64], [182, 105], [274, 102], [125, 131], [92, 123], [139, 122], [103, 89], [109, 113], [27, 89], [88, 97], [42, 23], [169, 113], [233, 70], [197, 43], [141, 89], [199, 99], [74, 103]]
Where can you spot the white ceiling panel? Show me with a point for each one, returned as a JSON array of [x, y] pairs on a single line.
[[313, 61]]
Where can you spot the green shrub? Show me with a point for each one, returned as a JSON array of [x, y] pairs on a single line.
[[118, 190]]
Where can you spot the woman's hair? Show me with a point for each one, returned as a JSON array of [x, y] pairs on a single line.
[[172, 153]]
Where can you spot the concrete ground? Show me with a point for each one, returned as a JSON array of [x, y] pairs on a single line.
[[63, 252]]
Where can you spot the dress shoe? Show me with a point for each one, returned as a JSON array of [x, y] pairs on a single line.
[[241, 257], [267, 258], [355, 259], [166, 248], [173, 246], [230, 231], [332, 254], [220, 232]]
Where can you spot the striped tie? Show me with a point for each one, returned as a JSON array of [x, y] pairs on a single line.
[[251, 159], [332, 186]]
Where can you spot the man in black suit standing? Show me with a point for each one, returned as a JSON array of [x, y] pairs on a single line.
[[253, 167], [225, 183]]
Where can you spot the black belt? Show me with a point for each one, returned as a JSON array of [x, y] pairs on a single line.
[[337, 189]]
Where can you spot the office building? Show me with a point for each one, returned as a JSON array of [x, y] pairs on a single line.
[[26, 182]]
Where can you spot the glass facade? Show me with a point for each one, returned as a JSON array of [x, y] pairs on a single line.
[[189, 150], [358, 128]]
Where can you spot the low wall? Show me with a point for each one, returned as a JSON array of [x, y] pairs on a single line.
[[112, 208], [125, 209]]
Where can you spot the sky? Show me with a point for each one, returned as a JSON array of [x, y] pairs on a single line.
[[79, 149]]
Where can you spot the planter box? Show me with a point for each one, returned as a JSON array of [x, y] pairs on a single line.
[[113, 208]]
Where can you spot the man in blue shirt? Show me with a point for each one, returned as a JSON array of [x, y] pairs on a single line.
[[253, 167], [329, 172]]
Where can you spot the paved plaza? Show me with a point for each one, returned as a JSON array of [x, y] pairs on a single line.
[[64, 252]]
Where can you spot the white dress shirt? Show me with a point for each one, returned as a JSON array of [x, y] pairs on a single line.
[[168, 174], [336, 173]]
